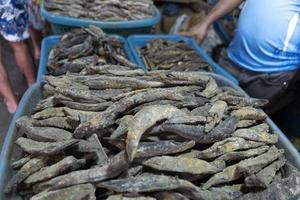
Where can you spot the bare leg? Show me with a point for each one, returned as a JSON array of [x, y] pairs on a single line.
[[24, 60], [36, 37], [6, 89]]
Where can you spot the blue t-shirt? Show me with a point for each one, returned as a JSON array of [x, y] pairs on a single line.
[[267, 38]]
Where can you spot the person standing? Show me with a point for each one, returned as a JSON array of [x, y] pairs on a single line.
[[264, 54], [14, 28]]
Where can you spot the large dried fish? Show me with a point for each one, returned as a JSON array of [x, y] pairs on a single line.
[[181, 165], [29, 168], [147, 183], [78, 192], [44, 148], [249, 113], [245, 167], [144, 120], [67, 164], [253, 135]]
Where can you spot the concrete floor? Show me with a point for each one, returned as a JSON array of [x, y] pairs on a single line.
[[18, 83]]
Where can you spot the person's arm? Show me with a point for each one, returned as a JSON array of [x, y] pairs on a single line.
[[222, 8]]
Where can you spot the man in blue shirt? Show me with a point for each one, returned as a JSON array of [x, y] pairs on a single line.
[[265, 51]]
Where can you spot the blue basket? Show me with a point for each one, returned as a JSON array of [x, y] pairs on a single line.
[[49, 42], [34, 94], [61, 24], [138, 41]]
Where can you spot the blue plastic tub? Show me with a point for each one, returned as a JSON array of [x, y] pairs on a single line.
[[138, 41], [61, 24], [34, 94], [49, 42]]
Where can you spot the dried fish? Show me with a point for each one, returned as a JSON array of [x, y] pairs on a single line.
[[253, 135], [263, 178], [116, 166], [120, 197], [170, 196], [246, 123], [58, 122], [149, 149], [43, 148], [244, 101], [42, 134], [144, 120], [245, 167], [19, 163], [29, 168], [240, 155], [78, 192], [122, 128], [225, 146], [249, 113], [181, 165], [67, 164], [146, 183]]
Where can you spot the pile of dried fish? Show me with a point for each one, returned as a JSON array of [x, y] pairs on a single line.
[[83, 49], [159, 54], [104, 10], [167, 135]]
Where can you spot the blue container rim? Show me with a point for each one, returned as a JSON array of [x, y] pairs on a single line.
[[72, 21]]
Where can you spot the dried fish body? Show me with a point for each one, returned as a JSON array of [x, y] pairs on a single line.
[[120, 197], [240, 155], [186, 120], [244, 101], [202, 110], [29, 168], [81, 115], [211, 89], [264, 177], [78, 192], [181, 165], [228, 192], [87, 106], [244, 168], [116, 166], [149, 149], [67, 164], [170, 196], [261, 128], [92, 144], [122, 128], [228, 145], [64, 82], [106, 118], [42, 134], [253, 135], [131, 172], [58, 122], [144, 120], [249, 113], [146, 183], [43, 148], [48, 113], [19, 163], [246, 123], [225, 128]]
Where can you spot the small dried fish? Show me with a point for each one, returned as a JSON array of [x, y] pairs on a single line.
[[240, 155], [146, 183], [144, 120], [251, 134], [44, 148], [118, 164], [149, 149], [29, 168], [228, 145], [120, 197], [67, 164], [19, 163], [181, 165], [264, 177], [78, 192], [249, 113], [244, 101], [245, 167]]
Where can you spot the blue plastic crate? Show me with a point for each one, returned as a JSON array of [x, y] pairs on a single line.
[[61, 24], [49, 42], [138, 41], [34, 94]]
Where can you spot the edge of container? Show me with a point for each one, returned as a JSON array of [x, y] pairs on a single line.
[[72, 21]]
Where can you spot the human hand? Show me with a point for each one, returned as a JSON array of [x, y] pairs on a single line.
[[198, 32]]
